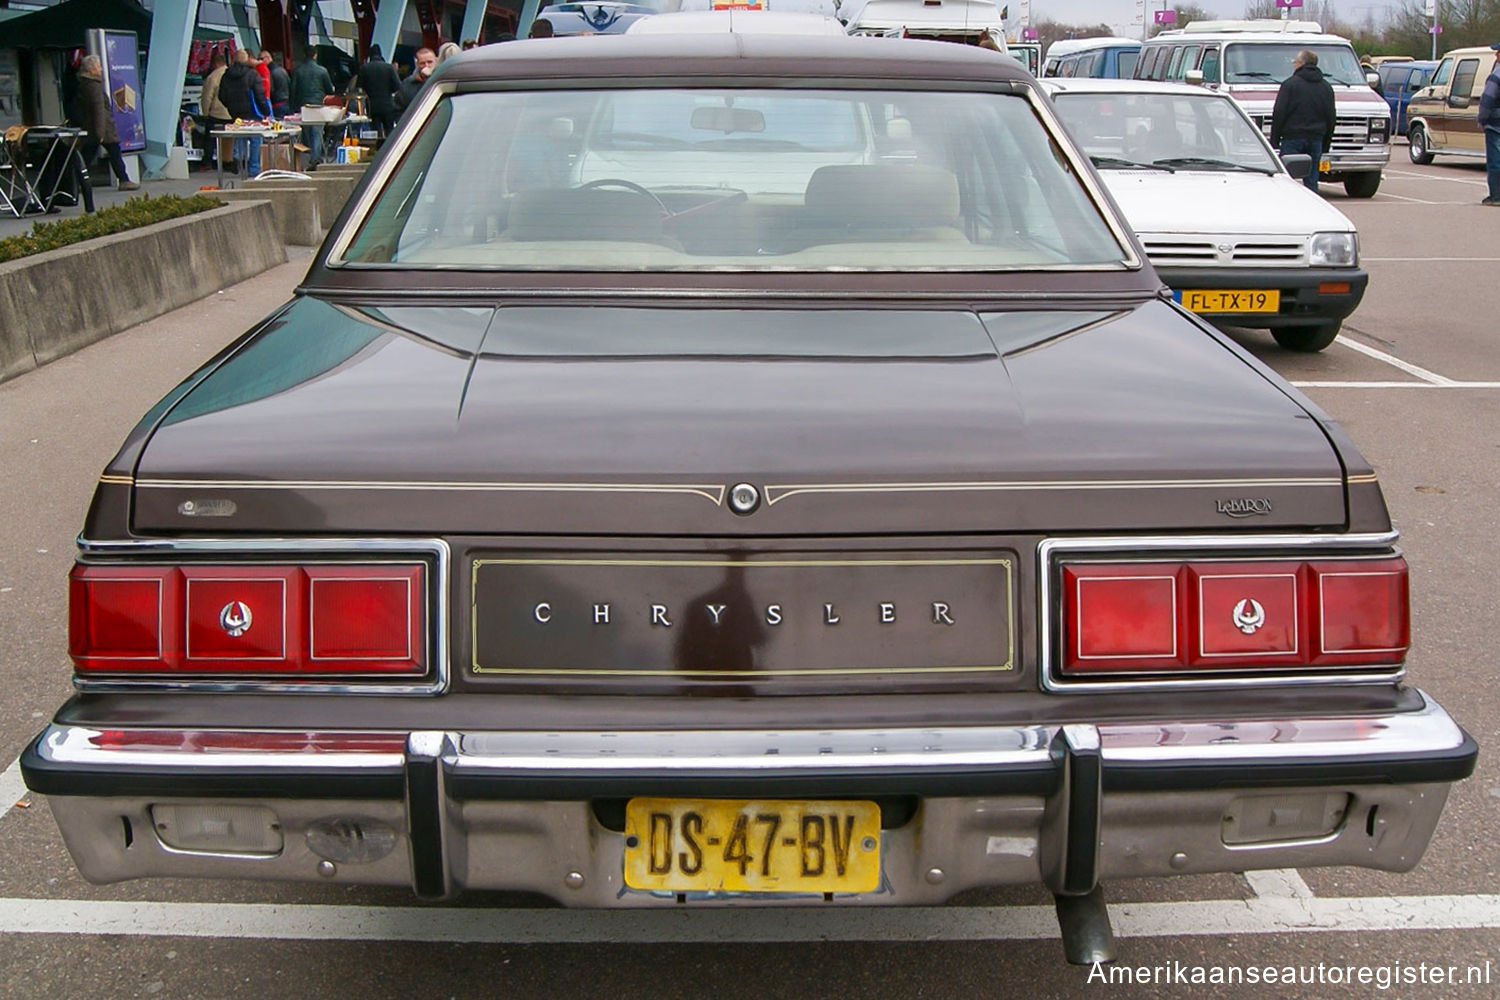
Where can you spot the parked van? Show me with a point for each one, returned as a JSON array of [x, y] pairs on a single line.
[[963, 21], [1443, 117], [1109, 58], [1399, 81], [1250, 59], [1028, 54], [945, 20]]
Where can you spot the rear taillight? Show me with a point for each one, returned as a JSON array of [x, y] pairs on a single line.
[[320, 620], [1181, 616]]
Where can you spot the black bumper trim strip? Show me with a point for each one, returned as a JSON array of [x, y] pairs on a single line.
[[1085, 792], [425, 810], [1432, 767]]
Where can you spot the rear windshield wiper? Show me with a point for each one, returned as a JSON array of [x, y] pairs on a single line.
[[1210, 162], [1115, 161]]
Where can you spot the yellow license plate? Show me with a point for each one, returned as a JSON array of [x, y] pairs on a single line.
[[703, 845], [1226, 300], [1324, 166]]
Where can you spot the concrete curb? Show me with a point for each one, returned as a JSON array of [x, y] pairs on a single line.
[[54, 303], [296, 209], [333, 190]]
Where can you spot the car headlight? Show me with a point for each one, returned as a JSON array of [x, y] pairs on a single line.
[[1334, 250]]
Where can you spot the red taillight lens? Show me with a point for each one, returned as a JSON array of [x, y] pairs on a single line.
[[370, 618], [302, 621], [1213, 616], [123, 617]]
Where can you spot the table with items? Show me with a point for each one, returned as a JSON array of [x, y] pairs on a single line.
[[271, 136], [34, 167]]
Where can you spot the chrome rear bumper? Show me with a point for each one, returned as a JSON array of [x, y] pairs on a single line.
[[1065, 806]]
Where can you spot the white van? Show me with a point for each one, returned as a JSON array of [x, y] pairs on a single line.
[[946, 20], [1250, 59]]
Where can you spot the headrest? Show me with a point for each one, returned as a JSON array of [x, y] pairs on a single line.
[[897, 195]]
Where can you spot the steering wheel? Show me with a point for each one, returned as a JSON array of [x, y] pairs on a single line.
[[620, 182]]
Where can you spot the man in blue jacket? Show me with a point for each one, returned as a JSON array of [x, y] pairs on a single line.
[[1489, 120]]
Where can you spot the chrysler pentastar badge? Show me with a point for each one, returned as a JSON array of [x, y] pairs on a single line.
[[235, 618]]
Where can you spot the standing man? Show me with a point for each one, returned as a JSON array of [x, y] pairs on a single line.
[[99, 121], [1489, 120], [426, 62], [280, 84], [241, 92], [1304, 116], [310, 85], [378, 79], [211, 106]]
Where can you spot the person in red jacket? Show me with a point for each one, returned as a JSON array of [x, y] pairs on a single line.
[[263, 67]]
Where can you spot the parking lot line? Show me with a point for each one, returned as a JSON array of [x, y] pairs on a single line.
[[1395, 362], [12, 787], [1386, 195], [1282, 883], [1413, 175], [268, 921]]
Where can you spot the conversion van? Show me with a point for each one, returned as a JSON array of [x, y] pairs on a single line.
[[1108, 58], [1250, 59], [1443, 117], [944, 20]]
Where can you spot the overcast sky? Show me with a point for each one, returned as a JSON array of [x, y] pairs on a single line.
[[1117, 13]]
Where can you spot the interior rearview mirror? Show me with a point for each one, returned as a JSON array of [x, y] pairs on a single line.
[[728, 120]]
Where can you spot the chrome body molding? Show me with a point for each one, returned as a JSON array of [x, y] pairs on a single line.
[[1192, 546], [776, 494], [1159, 823], [712, 492], [280, 549], [776, 752]]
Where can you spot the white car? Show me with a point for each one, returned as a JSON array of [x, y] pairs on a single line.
[[1236, 236]]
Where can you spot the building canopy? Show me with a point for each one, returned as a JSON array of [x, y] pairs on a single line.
[[63, 26]]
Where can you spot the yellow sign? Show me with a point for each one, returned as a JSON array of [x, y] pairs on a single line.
[[704, 845], [1230, 300]]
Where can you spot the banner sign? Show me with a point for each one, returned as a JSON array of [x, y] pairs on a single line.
[[1165, 16], [1289, 3], [117, 52]]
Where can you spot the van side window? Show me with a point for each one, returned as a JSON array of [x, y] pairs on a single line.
[[1174, 71], [1125, 60], [1159, 72], [1463, 79], [1444, 72], [1210, 65], [1148, 59], [1189, 61]]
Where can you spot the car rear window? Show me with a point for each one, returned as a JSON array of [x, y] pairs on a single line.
[[678, 178]]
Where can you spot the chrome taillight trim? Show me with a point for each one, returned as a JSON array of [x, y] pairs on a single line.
[[304, 549], [1258, 548]]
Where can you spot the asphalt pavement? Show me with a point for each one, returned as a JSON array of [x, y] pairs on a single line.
[[1415, 379]]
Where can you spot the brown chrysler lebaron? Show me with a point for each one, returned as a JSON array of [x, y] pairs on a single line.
[[739, 470]]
